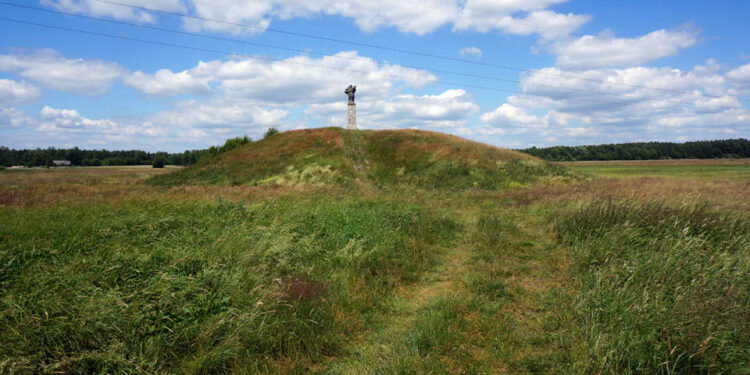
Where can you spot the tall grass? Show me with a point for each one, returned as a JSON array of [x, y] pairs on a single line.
[[201, 287], [664, 290]]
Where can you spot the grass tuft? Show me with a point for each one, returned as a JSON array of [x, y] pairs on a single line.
[[664, 290]]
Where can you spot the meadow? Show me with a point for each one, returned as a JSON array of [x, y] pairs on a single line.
[[358, 266]]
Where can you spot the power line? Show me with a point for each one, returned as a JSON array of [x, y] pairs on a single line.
[[400, 77], [304, 51], [180, 32], [386, 48]]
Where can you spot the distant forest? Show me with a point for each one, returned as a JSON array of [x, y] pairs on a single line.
[[729, 148], [44, 156]]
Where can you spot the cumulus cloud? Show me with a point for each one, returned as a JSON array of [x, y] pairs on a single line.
[[13, 117], [739, 78], [449, 109], [521, 17], [98, 8], [471, 52], [62, 127], [51, 70], [293, 81], [167, 83], [254, 13], [13, 92], [618, 105], [606, 50], [248, 95], [548, 24], [221, 114], [69, 119], [510, 115]]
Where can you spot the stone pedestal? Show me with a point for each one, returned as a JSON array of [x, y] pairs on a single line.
[[352, 116]]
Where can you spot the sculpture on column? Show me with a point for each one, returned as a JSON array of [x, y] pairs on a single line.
[[352, 107], [350, 90]]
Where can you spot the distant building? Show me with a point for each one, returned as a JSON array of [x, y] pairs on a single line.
[[61, 163]]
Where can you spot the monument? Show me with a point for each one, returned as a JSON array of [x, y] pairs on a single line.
[[350, 90]]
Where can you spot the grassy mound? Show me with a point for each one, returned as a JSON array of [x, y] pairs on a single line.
[[385, 158]]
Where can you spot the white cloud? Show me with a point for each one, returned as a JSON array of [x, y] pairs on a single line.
[[510, 115], [619, 105], [549, 25], [449, 109], [12, 117], [248, 95], [232, 12], [294, 81], [471, 52], [13, 92], [739, 78], [522, 17], [487, 15], [69, 119], [98, 8], [446, 111], [166, 83], [49, 69], [606, 50], [213, 114]]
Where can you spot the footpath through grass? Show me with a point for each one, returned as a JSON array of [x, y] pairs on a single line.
[[372, 281]]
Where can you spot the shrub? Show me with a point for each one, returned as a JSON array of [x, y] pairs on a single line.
[[270, 132], [233, 143], [158, 163]]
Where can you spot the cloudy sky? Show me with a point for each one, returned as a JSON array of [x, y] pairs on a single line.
[[182, 74]]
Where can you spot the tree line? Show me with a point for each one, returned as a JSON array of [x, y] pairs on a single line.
[[41, 157], [718, 149]]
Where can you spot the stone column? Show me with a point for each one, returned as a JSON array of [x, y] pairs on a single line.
[[352, 116]]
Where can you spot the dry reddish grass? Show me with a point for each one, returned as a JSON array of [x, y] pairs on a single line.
[[449, 146], [716, 193], [293, 142], [74, 186]]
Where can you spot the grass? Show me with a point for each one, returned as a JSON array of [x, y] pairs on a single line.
[[334, 156], [200, 287], [724, 169], [376, 253], [663, 290]]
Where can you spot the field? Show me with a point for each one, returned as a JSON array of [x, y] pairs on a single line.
[[719, 169], [627, 268]]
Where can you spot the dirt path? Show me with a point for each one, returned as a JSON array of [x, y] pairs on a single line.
[[378, 350], [488, 307]]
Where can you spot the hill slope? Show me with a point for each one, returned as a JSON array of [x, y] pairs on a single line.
[[389, 157]]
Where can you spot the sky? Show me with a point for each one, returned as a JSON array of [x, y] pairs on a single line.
[[171, 75]]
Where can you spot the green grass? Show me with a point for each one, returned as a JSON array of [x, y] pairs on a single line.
[[663, 290], [334, 156], [376, 253], [703, 169], [200, 288]]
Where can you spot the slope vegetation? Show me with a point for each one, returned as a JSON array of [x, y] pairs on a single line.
[[384, 158]]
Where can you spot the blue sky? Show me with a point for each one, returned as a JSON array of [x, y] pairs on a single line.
[[513, 73]]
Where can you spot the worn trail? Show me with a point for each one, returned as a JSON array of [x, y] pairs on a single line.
[[486, 308]]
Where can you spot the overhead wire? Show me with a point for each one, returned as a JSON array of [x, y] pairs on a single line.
[[338, 69], [298, 50], [549, 95], [387, 48]]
